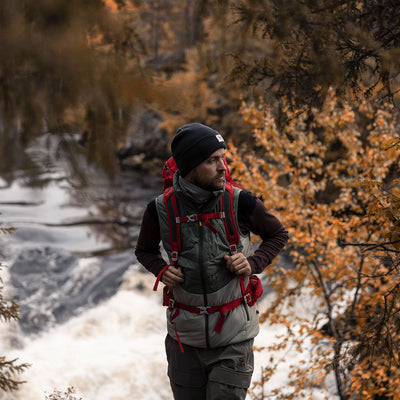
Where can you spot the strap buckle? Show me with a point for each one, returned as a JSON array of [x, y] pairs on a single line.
[[187, 218], [171, 304], [192, 218], [203, 309], [247, 298], [233, 248], [174, 256]]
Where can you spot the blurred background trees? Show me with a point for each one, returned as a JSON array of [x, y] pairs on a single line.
[[63, 67], [86, 68], [317, 84]]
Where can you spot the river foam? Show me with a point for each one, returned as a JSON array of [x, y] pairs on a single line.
[[113, 351]]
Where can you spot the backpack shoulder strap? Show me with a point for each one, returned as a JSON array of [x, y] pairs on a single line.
[[173, 228], [231, 229]]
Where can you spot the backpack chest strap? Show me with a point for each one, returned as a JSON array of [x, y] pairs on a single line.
[[205, 218]]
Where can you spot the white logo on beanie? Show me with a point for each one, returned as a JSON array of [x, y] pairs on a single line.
[[220, 138]]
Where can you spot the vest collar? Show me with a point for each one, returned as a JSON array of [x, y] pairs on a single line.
[[194, 196]]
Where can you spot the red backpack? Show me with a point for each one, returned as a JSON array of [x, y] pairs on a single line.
[[250, 294]]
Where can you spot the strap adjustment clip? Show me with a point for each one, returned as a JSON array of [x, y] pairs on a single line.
[[192, 218], [171, 304], [247, 298], [203, 310]]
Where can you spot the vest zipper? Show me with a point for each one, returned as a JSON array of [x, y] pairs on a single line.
[[203, 276]]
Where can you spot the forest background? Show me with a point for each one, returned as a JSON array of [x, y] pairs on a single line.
[[305, 92]]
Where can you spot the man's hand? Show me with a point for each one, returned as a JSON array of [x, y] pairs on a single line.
[[238, 264], [172, 275]]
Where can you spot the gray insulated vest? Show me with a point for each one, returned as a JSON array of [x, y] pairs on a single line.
[[207, 281]]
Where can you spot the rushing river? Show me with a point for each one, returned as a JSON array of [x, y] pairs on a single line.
[[89, 317]]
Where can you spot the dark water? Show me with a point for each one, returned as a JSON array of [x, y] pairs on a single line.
[[73, 242]]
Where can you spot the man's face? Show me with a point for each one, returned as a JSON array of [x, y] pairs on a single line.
[[210, 174]]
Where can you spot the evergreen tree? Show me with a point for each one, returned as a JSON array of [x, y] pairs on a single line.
[[67, 66], [8, 312], [310, 46]]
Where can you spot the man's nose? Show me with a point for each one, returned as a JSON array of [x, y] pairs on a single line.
[[221, 165]]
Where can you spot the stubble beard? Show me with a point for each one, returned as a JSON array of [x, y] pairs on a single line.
[[215, 184], [210, 184]]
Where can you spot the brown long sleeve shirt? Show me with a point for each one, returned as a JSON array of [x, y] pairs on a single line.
[[252, 217]]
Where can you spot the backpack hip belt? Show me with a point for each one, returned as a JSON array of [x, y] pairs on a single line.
[[250, 296]]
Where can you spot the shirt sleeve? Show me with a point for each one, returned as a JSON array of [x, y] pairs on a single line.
[[147, 249], [253, 216]]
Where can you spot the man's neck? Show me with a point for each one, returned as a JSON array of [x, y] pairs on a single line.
[[196, 193]]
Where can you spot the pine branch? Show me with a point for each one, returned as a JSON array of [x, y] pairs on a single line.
[[371, 246]]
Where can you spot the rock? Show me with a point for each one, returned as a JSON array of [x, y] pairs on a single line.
[[145, 140], [51, 285]]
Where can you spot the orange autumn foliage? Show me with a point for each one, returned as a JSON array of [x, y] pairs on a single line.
[[331, 175]]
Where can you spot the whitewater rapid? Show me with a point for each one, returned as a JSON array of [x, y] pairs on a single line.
[[115, 350]]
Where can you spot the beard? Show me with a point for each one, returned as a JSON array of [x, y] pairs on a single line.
[[211, 184]]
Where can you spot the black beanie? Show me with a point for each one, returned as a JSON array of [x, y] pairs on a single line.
[[194, 143]]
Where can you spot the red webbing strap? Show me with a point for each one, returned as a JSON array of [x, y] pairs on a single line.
[[174, 231], [231, 230], [203, 218], [155, 287], [174, 227], [177, 338], [222, 309], [175, 243], [173, 316], [242, 287]]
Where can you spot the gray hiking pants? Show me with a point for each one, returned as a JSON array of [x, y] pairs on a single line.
[[223, 373]]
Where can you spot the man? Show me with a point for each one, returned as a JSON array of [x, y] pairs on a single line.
[[211, 324]]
